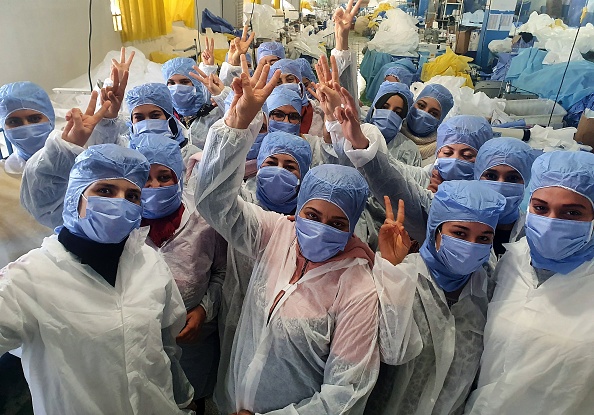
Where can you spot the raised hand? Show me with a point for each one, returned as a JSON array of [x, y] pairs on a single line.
[[208, 52], [79, 126], [348, 117], [212, 82], [328, 87], [240, 46], [248, 99], [124, 64], [115, 94], [342, 19], [394, 242]]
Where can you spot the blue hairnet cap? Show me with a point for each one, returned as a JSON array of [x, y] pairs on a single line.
[[179, 66], [159, 149], [341, 185], [271, 48], [441, 94], [404, 75], [306, 70], [407, 64], [505, 150], [24, 95], [284, 95], [280, 142], [152, 93], [397, 88], [471, 130], [286, 66], [464, 201], [573, 170], [101, 162]]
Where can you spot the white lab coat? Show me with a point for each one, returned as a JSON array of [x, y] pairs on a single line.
[[88, 347], [436, 380], [317, 352], [539, 341]]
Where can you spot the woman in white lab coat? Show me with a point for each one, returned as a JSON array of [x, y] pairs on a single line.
[[449, 307], [307, 336], [539, 337], [95, 310]]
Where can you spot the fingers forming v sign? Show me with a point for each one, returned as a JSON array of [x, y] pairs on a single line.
[[79, 126], [124, 64], [250, 95], [115, 94], [212, 82], [240, 46], [394, 242], [208, 52]]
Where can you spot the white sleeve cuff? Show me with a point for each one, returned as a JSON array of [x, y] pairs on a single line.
[[208, 69], [344, 59], [361, 157]]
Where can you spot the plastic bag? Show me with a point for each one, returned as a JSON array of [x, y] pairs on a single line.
[[448, 64], [548, 139], [396, 35]]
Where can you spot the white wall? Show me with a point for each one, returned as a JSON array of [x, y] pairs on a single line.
[[45, 41]]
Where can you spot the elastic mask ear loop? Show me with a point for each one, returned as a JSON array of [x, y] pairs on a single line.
[[87, 200]]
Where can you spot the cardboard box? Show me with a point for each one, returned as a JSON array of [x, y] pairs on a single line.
[[462, 41], [585, 131]]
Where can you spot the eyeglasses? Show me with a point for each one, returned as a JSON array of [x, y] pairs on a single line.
[[278, 115]]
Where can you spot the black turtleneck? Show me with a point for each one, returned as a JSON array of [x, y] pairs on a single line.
[[103, 258]]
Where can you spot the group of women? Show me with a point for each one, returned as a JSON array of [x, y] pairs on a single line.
[[235, 236]]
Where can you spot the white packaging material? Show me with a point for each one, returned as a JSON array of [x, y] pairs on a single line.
[[501, 46], [549, 139], [265, 22], [558, 39], [535, 111], [142, 71], [396, 35]]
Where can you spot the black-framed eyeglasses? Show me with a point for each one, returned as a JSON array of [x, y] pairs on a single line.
[[278, 115]]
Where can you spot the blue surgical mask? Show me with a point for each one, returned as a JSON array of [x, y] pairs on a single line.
[[187, 99], [29, 139], [109, 220], [388, 122], [158, 202], [277, 189], [559, 245], [460, 258], [157, 126], [319, 242], [421, 123], [283, 126], [451, 168], [255, 149], [514, 194]]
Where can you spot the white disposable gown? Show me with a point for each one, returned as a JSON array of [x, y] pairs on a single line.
[[88, 347], [539, 341], [316, 352], [438, 379]]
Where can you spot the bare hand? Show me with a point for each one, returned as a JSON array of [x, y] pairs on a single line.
[[435, 181], [328, 87], [124, 64], [194, 321], [240, 47], [208, 52], [79, 126], [394, 242], [248, 99], [212, 82], [342, 23], [348, 118], [115, 94]]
